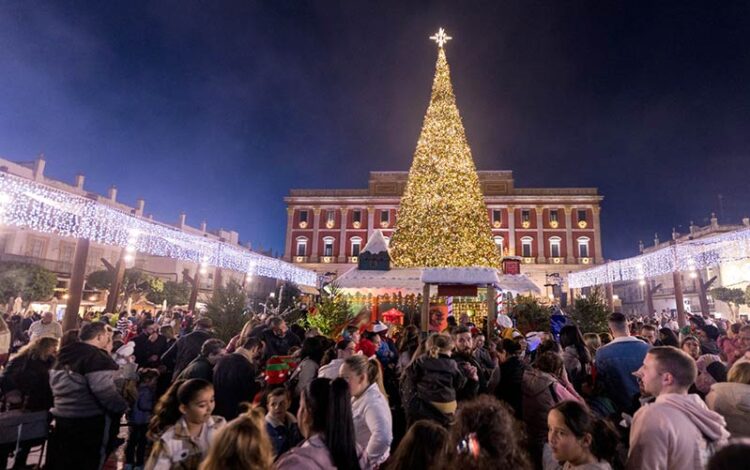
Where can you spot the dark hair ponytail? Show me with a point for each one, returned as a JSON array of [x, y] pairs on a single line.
[[579, 419], [329, 403], [167, 410]]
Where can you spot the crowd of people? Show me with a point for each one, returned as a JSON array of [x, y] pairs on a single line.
[[646, 395]]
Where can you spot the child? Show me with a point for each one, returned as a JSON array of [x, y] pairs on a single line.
[[242, 443], [437, 375], [140, 414], [183, 427], [280, 424]]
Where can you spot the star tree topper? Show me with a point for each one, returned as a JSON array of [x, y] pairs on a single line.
[[441, 38]]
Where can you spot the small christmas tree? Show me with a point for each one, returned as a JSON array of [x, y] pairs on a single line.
[[332, 313], [443, 220]]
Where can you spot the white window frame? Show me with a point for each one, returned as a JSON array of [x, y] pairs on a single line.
[[555, 241], [301, 243], [356, 241], [583, 242], [557, 215], [499, 241], [330, 216], [527, 241], [328, 241], [525, 215]]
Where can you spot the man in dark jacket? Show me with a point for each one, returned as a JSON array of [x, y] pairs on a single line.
[[511, 375], [149, 346], [86, 401], [234, 378], [467, 364], [278, 339], [202, 366], [187, 348]]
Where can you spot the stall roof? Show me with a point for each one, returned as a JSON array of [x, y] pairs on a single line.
[[466, 276]]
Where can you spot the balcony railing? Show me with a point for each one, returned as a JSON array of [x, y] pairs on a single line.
[[56, 266]]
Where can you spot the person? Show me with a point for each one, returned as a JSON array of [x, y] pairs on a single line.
[[239, 339], [87, 403], [731, 399], [344, 349], [325, 420], [743, 350], [183, 425], [185, 349], [576, 356], [729, 343], [46, 326], [578, 439], [616, 362], [149, 346], [593, 343], [140, 415], [281, 425], [372, 416], [241, 444], [25, 384], [423, 446], [467, 365], [234, 378], [511, 375], [437, 378], [708, 335], [407, 344], [5, 337], [728, 457], [202, 367], [278, 339], [677, 430], [485, 436], [123, 322], [710, 371], [691, 346], [667, 337], [310, 356], [487, 361]]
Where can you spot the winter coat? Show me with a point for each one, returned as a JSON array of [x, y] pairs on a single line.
[[175, 449], [509, 387], [199, 368], [438, 378], [184, 350], [732, 401], [284, 435], [675, 432], [306, 372], [373, 424], [234, 383], [29, 378], [471, 387], [144, 349], [140, 412], [485, 361], [615, 364], [313, 454], [574, 368], [331, 370], [83, 383], [278, 345], [710, 347]]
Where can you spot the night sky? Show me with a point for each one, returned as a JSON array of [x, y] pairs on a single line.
[[219, 108]]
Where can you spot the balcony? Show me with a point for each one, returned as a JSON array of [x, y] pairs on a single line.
[[529, 260], [585, 260], [301, 259], [57, 267]]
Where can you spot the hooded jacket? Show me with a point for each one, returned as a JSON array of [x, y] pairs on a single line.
[[438, 378], [83, 383], [732, 400], [676, 431]]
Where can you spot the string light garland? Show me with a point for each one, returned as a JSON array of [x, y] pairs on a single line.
[[35, 206], [688, 256], [443, 219]]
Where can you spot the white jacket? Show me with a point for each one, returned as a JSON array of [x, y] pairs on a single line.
[[373, 425]]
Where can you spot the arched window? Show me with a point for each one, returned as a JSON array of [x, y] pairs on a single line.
[[554, 247], [301, 246], [583, 247], [328, 246], [526, 244], [498, 242], [356, 245]]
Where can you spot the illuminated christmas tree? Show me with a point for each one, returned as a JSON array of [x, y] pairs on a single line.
[[443, 220]]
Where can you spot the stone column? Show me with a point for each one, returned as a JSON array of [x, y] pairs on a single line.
[[315, 236], [370, 221], [75, 292], [289, 245], [540, 234], [342, 237], [597, 235], [511, 231], [570, 254]]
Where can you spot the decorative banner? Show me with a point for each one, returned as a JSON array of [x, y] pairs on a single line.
[[32, 205]]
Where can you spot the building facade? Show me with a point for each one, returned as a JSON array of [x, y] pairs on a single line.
[[554, 230]]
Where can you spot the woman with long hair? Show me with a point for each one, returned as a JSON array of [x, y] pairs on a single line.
[[239, 340], [578, 439], [242, 443], [407, 345], [423, 446], [373, 424], [576, 356], [668, 337], [325, 420]]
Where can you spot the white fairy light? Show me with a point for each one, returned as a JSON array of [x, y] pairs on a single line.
[[688, 256], [41, 208]]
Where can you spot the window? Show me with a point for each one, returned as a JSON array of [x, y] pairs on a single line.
[[330, 216], [497, 216], [498, 243], [302, 246], [553, 215], [526, 247], [554, 247], [67, 251], [357, 216], [384, 216], [583, 247], [525, 215], [581, 215], [328, 246], [356, 245], [303, 216], [35, 247]]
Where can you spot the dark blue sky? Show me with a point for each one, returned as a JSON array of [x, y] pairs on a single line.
[[219, 108]]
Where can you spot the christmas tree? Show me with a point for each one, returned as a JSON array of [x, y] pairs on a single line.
[[443, 220]]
